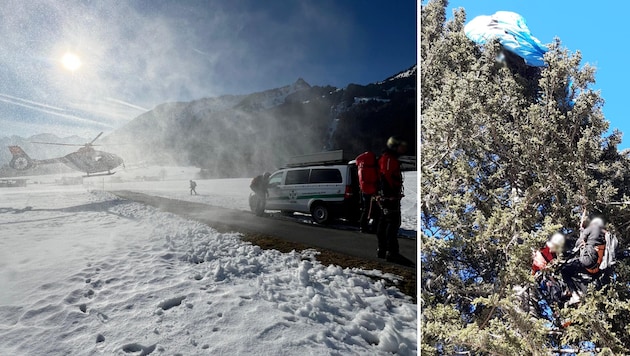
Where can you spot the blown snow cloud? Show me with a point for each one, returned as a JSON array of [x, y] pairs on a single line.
[[134, 56]]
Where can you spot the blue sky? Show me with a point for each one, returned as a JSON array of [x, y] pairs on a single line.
[[137, 54], [599, 30]]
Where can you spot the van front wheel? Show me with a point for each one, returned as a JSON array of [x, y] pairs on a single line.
[[320, 213]]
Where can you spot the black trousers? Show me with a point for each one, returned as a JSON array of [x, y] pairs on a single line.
[[367, 212], [261, 202], [571, 272], [387, 231]]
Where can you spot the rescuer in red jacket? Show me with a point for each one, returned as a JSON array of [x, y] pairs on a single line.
[[391, 191]]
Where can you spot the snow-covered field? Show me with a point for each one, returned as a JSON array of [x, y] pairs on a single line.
[[231, 193], [84, 273]]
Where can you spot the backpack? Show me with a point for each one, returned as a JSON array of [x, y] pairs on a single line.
[[610, 258], [368, 172], [255, 184], [391, 176]]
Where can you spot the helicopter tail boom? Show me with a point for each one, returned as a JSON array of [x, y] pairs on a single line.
[[20, 161]]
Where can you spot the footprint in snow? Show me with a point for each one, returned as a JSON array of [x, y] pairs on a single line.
[[135, 347], [171, 303], [274, 332], [100, 316]]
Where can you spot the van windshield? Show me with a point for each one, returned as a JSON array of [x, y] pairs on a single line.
[[275, 179]]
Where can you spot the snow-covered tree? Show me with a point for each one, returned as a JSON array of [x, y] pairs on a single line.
[[510, 154]]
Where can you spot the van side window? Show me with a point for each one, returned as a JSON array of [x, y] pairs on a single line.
[[299, 176], [326, 175], [276, 179]]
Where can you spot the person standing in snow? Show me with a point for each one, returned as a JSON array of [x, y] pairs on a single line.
[[260, 186], [193, 186], [391, 192]]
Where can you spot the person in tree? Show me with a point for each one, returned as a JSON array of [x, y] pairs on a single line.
[[193, 187], [547, 286], [391, 192], [260, 185], [591, 246], [548, 253]]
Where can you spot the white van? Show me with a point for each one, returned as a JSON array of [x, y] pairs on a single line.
[[324, 191]]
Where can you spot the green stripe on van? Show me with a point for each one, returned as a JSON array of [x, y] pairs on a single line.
[[318, 196]]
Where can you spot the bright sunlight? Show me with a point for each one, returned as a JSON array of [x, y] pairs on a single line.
[[71, 61]]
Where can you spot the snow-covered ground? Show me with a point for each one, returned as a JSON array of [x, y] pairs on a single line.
[[228, 193], [84, 273]]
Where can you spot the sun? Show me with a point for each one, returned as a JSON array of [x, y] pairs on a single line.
[[71, 61]]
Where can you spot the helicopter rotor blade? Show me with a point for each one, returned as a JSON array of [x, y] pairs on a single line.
[[57, 144], [96, 138]]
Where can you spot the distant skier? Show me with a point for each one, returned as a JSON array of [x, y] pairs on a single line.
[[193, 186], [257, 201], [391, 192]]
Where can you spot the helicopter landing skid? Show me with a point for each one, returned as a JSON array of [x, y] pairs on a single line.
[[99, 174]]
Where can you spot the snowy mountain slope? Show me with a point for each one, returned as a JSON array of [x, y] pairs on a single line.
[[104, 276], [270, 98], [236, 136], [411, 72]]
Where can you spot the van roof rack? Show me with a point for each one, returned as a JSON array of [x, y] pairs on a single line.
[[319, 159]]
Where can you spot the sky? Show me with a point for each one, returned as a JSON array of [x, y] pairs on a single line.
[[84, 66], [597, 29]]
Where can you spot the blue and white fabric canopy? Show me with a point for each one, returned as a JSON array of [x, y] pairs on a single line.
[[512, 32]]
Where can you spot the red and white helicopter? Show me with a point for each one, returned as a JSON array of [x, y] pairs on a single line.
[[86, 159]]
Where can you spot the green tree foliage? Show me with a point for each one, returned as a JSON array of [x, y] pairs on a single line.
[[510, 155]]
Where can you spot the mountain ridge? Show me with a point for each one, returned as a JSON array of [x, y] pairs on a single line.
[[241, 135]]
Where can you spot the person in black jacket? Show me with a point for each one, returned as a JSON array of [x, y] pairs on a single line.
[[590, 242], [591, 245], [260, 186]]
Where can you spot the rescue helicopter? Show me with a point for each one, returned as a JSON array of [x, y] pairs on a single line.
[[86, 159]]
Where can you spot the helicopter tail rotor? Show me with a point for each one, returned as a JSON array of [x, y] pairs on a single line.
[[20, 161]]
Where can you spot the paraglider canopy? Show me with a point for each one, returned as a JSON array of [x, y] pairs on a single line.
[[512, 32]]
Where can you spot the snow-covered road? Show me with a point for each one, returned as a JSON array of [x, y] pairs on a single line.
[[85, 273], [234, 193]]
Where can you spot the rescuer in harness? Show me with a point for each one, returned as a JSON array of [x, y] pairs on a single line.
[[390, 194], [591, 246]]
